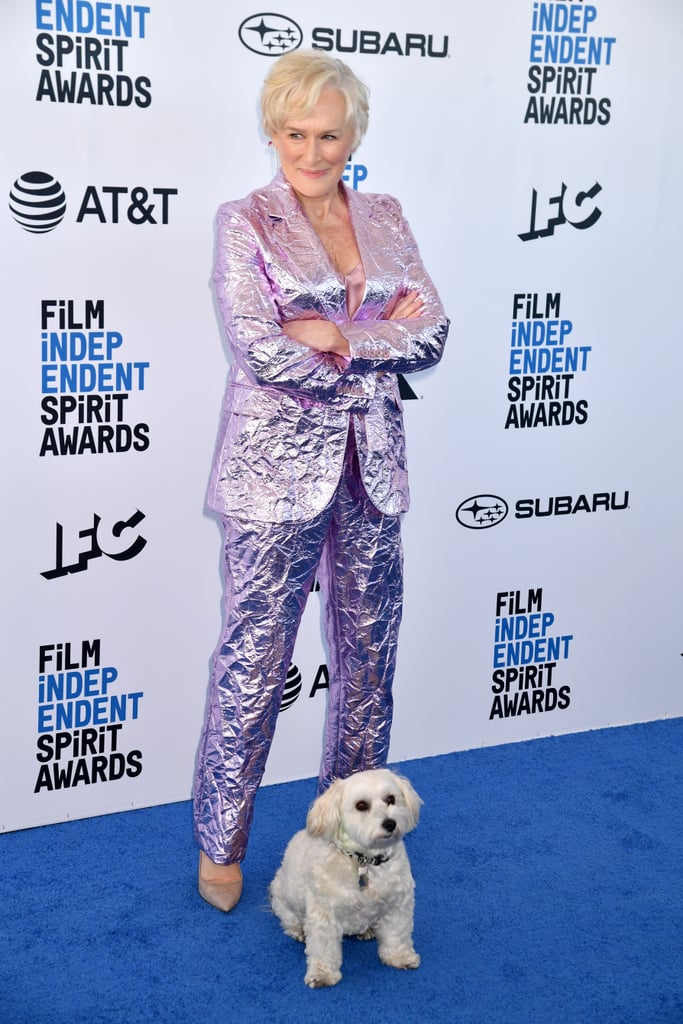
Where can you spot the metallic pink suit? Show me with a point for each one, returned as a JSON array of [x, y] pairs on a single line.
[[309, 477]]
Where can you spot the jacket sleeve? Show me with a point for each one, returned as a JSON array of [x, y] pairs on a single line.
[[400, 346], [248, 308]]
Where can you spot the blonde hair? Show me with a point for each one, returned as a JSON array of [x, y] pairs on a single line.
[[295, 82]]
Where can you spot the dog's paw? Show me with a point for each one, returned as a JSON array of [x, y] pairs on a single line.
[[320, 976], [295, 932], [403, 959], [369, 933]]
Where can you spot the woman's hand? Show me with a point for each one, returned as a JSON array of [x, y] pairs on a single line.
[[321, 335], [408, 308]]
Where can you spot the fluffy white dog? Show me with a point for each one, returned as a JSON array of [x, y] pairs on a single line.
[[347, 873]]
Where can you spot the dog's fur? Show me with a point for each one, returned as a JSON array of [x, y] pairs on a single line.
[[323, 890]]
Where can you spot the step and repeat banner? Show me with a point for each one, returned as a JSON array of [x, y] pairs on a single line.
[[536, 150]]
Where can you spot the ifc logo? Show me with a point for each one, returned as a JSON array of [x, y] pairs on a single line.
[[270, 34], [37, 202], [292, 687], [481, 512]]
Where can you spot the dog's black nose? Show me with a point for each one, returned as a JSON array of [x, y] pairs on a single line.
[[388, 824]]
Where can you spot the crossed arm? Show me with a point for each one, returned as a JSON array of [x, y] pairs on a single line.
[[325, 336]]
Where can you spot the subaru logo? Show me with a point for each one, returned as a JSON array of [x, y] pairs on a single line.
[[270, 34], [481, 511]]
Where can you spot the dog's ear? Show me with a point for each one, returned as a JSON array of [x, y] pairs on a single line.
[[325, 814], [412, 801]]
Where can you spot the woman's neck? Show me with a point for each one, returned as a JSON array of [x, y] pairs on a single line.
[[322, 209]]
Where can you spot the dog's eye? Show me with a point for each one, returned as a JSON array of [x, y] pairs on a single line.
[[362, 805], [390, 800]]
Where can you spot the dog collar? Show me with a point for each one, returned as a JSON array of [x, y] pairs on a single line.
[[364, 862]]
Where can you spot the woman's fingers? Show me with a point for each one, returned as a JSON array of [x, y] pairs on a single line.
[[408, 308]]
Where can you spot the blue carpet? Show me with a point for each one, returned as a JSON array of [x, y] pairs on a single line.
[[549, 889]]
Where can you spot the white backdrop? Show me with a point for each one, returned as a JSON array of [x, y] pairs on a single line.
[[536, 151]]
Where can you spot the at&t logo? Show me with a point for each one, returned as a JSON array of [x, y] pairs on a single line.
[[37, 202], [292, 687], [294, 682]]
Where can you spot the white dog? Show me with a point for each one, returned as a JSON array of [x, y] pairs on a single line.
[[347, 873]]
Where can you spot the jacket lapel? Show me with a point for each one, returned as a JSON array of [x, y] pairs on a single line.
[[297, 244], [377, 254]]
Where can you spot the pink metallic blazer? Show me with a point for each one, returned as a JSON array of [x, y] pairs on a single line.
[[287, 408]]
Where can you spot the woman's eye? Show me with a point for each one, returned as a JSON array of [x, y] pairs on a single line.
[[390, 801], [362, 805]]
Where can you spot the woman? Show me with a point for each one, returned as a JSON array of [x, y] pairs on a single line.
[[324, 300]]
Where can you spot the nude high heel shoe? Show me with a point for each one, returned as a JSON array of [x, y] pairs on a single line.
[[222, 895]]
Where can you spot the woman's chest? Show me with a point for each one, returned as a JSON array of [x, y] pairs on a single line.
[[308, 275], [341, 247]]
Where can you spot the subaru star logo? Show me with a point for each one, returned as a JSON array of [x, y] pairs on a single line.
[[270, 34], [481, 512]]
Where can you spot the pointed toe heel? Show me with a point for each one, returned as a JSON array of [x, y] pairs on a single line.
[[222, 895]]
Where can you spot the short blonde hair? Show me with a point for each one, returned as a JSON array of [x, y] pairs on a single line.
[[295, 82]]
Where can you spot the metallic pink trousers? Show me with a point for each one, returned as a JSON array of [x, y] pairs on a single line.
[[269, 571]]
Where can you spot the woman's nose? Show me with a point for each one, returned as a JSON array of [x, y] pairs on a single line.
[[312, 150]]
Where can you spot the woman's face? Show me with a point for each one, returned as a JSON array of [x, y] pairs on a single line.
[[314, 150]]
